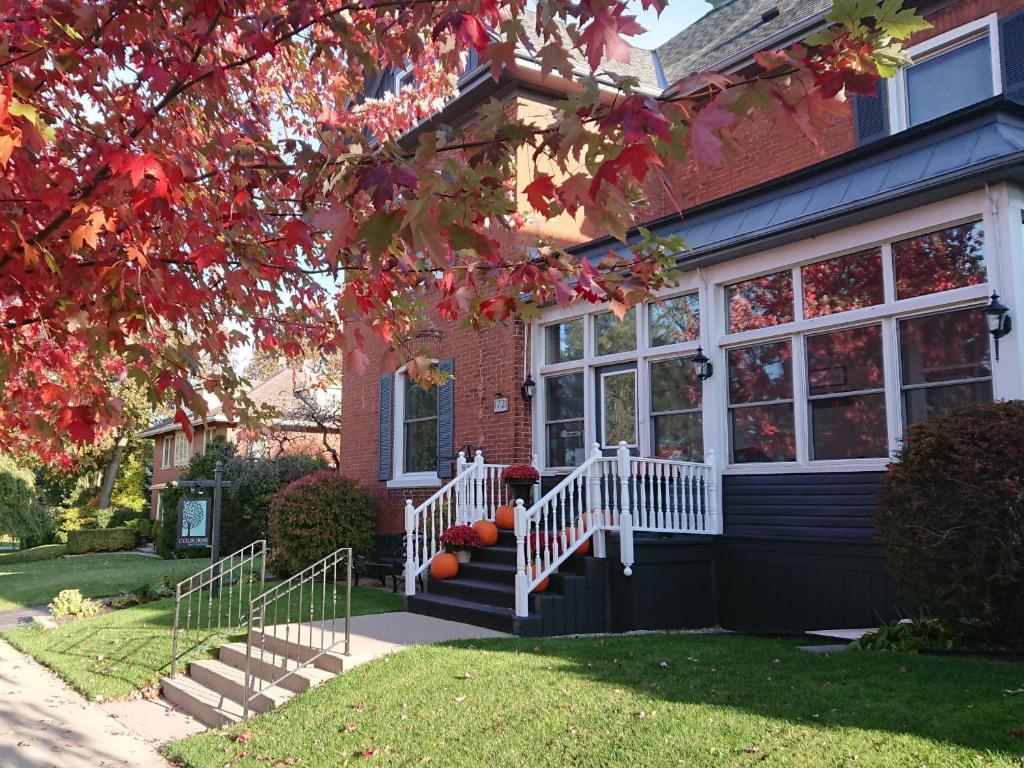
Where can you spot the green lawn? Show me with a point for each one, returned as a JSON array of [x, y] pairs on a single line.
[[37, 583], [125, 651], [651, 700]]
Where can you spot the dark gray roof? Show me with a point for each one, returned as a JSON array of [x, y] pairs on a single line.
[[731, 29], [983, 144]]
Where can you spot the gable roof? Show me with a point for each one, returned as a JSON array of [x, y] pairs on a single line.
[[732, 29]]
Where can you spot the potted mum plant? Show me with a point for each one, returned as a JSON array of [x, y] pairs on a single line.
[[520, 479], [461, 540]]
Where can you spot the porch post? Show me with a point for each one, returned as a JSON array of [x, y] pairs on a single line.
[[535, 489], [522, 585], [480, 500], [410, 548], [461, 513], [594, 501], [714, 508], [626, 512]]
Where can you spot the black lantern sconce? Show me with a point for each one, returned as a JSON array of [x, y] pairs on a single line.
[[528, 388], [705, 368], [998, 316]]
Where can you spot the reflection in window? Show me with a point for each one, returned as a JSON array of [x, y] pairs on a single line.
[[940, 261], [675, 320], [847, 282], [949, 81], [419, 427], [846, 388], [761, 403], [676, 395], [612, 335], [563, 341], [944, 361], [564, 419], [618, 408], [761, 302]]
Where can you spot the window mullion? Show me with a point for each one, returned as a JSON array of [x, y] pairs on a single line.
[[801, 415]]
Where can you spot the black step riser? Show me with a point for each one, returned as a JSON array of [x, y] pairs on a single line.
[[504, 555], [499, 573], [496, 595]]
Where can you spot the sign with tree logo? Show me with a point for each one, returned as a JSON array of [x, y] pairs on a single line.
[[194, 522]]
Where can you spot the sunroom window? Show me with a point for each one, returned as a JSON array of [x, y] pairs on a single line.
[[563, 341], [674, 321], [940, 261], [761, 403], [563, 401], [676, 421], [761, 302], [612, 335], [843, 283]]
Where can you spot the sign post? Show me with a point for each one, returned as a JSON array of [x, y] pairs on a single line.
[[198, 525]]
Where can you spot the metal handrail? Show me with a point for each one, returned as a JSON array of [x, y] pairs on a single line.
[[283, 593], [238, 568]]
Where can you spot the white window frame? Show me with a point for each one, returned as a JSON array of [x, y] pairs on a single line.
[[986, 26], [181, 449], [399, 477], [652, 414], [167, 450]]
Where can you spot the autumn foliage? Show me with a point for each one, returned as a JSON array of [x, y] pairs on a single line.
[[178, 180]]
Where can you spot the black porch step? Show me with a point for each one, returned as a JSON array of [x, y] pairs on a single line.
[[494, 617], [475, 590], [496, 554], [504, 573]]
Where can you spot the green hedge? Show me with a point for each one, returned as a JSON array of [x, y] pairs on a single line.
[[100, 540], [46, 552]]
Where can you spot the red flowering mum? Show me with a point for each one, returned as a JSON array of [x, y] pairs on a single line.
[[460, 537], [516, 472]]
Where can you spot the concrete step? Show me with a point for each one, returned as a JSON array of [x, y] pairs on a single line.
[[230, 682], [302, 643], [206, 705], [271, 666]]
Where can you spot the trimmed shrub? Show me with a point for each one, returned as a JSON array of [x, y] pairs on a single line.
[[45, 552], [100, 540], [123, 516], [316, 515], [69, 603], [951, 519], [69, 519]]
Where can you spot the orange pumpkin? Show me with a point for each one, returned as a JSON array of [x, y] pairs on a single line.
[[505, 517], [544, 584], [487, 531], [584, 547], [444, 566]]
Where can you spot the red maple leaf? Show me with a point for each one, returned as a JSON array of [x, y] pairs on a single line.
[[602, 37], [540, 193]]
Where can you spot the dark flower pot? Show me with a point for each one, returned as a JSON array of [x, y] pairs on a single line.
[[521, 489]]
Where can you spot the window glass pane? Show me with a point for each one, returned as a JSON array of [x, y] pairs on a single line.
[[761, 302], [849, 427], [675, 320], [618, 406], [945, 347], [950, 81], [843, 283], [612, 336], [420, 403], [565, 444], [679, 436], [421, 446], [674, 385], [845, 361], [763, 433], [940, 261], [563, 341], [760, 373], [921, 403], [564, 396]]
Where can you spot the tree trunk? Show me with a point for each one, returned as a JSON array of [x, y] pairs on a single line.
[[110, 475]]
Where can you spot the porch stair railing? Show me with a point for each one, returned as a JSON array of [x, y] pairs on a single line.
[[623, 493], [214, 603], [472, 494]]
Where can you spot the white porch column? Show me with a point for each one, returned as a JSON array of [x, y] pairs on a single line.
[[626, 513], [1006, 277], [522, 585], [594, 505], [410, 548], [480, 503]]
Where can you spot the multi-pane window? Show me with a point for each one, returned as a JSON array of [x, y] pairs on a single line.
[[761, 302], [618, 408], [940, 261], [419, 428], [612, 335], [948, 81], [180, 449], [761, 403], [674, 321], [563, 341], [846, 393], [843, 283], [944, 363], [564, 419], [676, 423], [167, 460]]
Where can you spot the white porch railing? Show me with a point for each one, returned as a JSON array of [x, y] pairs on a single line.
[[621, 492], [472, 494]]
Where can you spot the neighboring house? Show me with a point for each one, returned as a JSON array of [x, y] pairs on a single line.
[[296, 431], [837, 293]]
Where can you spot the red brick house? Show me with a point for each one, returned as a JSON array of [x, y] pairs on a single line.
[[837, 294], [286, 390]]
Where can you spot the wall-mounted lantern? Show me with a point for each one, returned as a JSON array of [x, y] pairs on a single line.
[[705, 368], [528, 389], [998, 316]]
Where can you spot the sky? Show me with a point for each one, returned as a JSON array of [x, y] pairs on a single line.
[[677, 15]]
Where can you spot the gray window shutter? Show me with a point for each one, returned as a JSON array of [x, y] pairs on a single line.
[[871, 115], [1011, 37], [386, 441], [446, 421]]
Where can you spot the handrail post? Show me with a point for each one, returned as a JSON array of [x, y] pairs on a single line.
[[522, 591], [348, 601], [594, 504], [536, 488], [480, 509], [626, 511], [714, 514], [410, 548], [461, 511], [174, 634]]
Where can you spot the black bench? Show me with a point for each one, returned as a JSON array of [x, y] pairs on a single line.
[[388, 560]]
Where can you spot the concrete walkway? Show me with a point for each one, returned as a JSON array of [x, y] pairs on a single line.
[[45, 724], [20, 616]]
